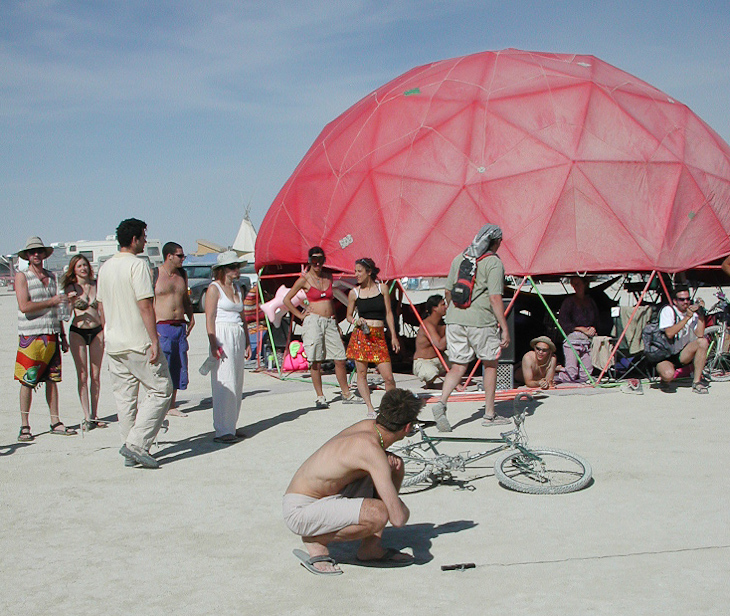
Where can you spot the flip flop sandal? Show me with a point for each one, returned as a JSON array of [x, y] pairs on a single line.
[[25, 436], [99, 423], [388, 560], [65, 432], [699, 388], [309, 561]]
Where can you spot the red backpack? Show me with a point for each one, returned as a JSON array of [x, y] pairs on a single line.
[[461, 293]]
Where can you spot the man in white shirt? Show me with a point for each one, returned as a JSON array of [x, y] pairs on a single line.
[[125, 294], [684, 324]]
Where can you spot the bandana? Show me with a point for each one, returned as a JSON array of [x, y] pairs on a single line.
[[486, 235]]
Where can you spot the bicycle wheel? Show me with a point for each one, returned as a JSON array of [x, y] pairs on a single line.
[[717, 367], [418, 469], [546, 471]]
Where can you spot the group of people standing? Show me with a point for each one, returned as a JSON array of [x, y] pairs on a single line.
[[142, 325]]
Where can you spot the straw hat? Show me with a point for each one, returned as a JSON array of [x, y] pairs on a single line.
[[544, 339], [229, 257], [30, 244]]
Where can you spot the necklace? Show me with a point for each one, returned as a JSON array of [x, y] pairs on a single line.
[[317, 283], [382, 444]]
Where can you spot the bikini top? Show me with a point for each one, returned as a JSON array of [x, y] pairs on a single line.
[[82, 302], [372, 308], [317, 295]]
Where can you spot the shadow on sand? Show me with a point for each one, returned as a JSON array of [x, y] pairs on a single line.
[[503, 408], [201, 444], [418, 537]]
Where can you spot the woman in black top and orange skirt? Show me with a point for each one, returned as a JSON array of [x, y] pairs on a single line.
[[367, 343]]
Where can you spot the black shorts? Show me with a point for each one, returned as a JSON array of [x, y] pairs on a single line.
[[88, 334], [675, 360]]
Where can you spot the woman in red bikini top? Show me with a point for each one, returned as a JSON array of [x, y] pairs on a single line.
[[320, 332]]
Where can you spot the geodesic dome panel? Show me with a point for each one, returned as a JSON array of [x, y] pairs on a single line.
[[585, 168]]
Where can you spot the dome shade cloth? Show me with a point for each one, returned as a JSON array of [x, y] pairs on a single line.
[[583, 166]]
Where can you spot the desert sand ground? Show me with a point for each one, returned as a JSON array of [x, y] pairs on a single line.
[[82, 534]]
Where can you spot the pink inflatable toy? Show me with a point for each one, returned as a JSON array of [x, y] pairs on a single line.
[[275, 309]]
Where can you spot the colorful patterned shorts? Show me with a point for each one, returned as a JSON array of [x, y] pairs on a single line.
[[38, 359], [370, 348]]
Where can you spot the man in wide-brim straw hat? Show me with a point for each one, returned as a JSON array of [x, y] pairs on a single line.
[[538, 366], [40, 336]]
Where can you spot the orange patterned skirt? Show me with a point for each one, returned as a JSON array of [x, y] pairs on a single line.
[[370, 348]]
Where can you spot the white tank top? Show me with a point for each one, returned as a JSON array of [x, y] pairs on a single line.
[[228, 311]]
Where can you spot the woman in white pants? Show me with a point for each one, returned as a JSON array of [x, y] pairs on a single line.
[[229, 344]]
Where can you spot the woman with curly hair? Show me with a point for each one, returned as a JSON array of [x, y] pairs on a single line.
[[367, 343]]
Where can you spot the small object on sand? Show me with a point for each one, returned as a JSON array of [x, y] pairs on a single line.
[[458, 567], [632, 386]]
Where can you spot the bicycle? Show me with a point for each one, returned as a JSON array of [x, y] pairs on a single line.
[[717, 367], [538, 470]]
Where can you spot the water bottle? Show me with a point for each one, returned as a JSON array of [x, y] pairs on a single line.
[[63, 310], [208, 365], [365, 328]]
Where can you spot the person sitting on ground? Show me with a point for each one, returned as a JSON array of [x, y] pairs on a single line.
[[684, 324], [348, 489], [427, 365], [538, 366], [578, 317]]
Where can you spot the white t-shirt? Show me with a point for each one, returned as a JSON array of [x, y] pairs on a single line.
[[123, 281], [669, 316]]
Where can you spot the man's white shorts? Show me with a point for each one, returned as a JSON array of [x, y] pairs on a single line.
[[428, 369], [465, 342], [311, 517]]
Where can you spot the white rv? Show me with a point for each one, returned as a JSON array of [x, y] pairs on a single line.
[[99, 251]]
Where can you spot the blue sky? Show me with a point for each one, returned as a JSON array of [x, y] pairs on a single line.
[[182, 112]]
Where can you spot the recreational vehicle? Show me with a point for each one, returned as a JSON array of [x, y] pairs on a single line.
[[99, 251]]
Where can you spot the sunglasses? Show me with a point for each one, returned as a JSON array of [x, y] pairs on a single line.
[[317, 260], [179, 256], [682, 299], [542, 349]]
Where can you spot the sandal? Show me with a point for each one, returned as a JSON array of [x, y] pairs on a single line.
[[87, 425], [65, 432], [699, 388], [99, 423], [24, 436]]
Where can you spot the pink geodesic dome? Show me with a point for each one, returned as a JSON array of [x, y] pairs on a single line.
[[585, 168]]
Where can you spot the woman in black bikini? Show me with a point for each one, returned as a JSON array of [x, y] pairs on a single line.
[[86, 336], [367, 343], [320, 332]]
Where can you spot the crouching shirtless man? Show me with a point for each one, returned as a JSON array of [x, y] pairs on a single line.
[[348, 489]]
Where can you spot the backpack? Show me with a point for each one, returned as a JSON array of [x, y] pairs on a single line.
[[295, 359], [465, 279], [657, 347]]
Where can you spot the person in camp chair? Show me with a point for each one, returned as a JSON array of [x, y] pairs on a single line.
[[684, 324]]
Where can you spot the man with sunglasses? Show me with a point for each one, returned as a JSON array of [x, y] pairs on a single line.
[[172, 306], [684, 324], [538, 366]]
